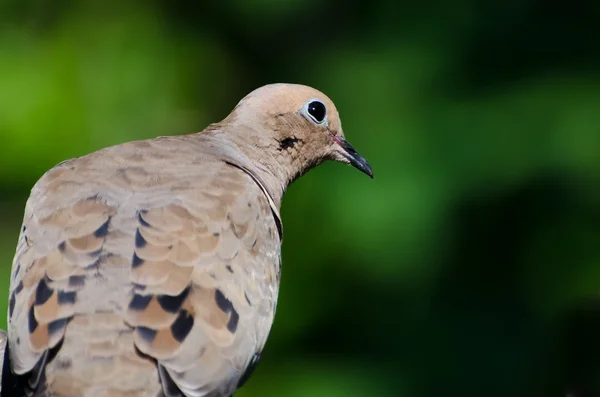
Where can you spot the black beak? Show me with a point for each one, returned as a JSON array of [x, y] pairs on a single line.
[[356, 160]]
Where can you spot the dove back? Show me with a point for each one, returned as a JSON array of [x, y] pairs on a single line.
[[149, 267]]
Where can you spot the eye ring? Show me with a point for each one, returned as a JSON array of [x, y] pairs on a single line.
[[316, 111]]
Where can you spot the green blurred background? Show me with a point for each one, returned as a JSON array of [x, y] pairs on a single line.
[[470, 265]]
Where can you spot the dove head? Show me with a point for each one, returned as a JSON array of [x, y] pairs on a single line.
[[290, 129]]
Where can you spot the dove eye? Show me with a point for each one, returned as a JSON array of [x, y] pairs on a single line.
[[316, 111]]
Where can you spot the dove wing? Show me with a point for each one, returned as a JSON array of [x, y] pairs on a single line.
[[143, 256]]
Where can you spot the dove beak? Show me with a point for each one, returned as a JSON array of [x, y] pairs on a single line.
[[355, 159]]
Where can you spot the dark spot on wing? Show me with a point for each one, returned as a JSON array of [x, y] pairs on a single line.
[[247, 299], [76, 281], [182, 326], [102, 231], [146, 333], [43, 292], [57, 325], [229, 269], [233, 321], [136, 261], [66, 297], [223, 303], [140, 302], [139, 240], [19, 287], [11, 304], [172, 304], [33, 324], [141, 219], [61, 247], [227, 307]]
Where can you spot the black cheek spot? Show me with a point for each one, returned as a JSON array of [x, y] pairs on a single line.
[[139, 240], [42, 292], [66, 297], [140, 302], [102, 231], [172, 304], [182, 326], [288, 143], [136, 261]]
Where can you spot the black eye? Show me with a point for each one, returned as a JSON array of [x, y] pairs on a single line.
[[317, 111]]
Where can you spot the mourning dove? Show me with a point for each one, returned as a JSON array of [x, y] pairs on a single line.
[[152, 267]]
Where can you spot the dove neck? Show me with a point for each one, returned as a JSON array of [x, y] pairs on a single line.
[[254, 157]]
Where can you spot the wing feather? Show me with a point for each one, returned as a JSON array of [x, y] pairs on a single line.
[[182, 265], [197, 261]]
